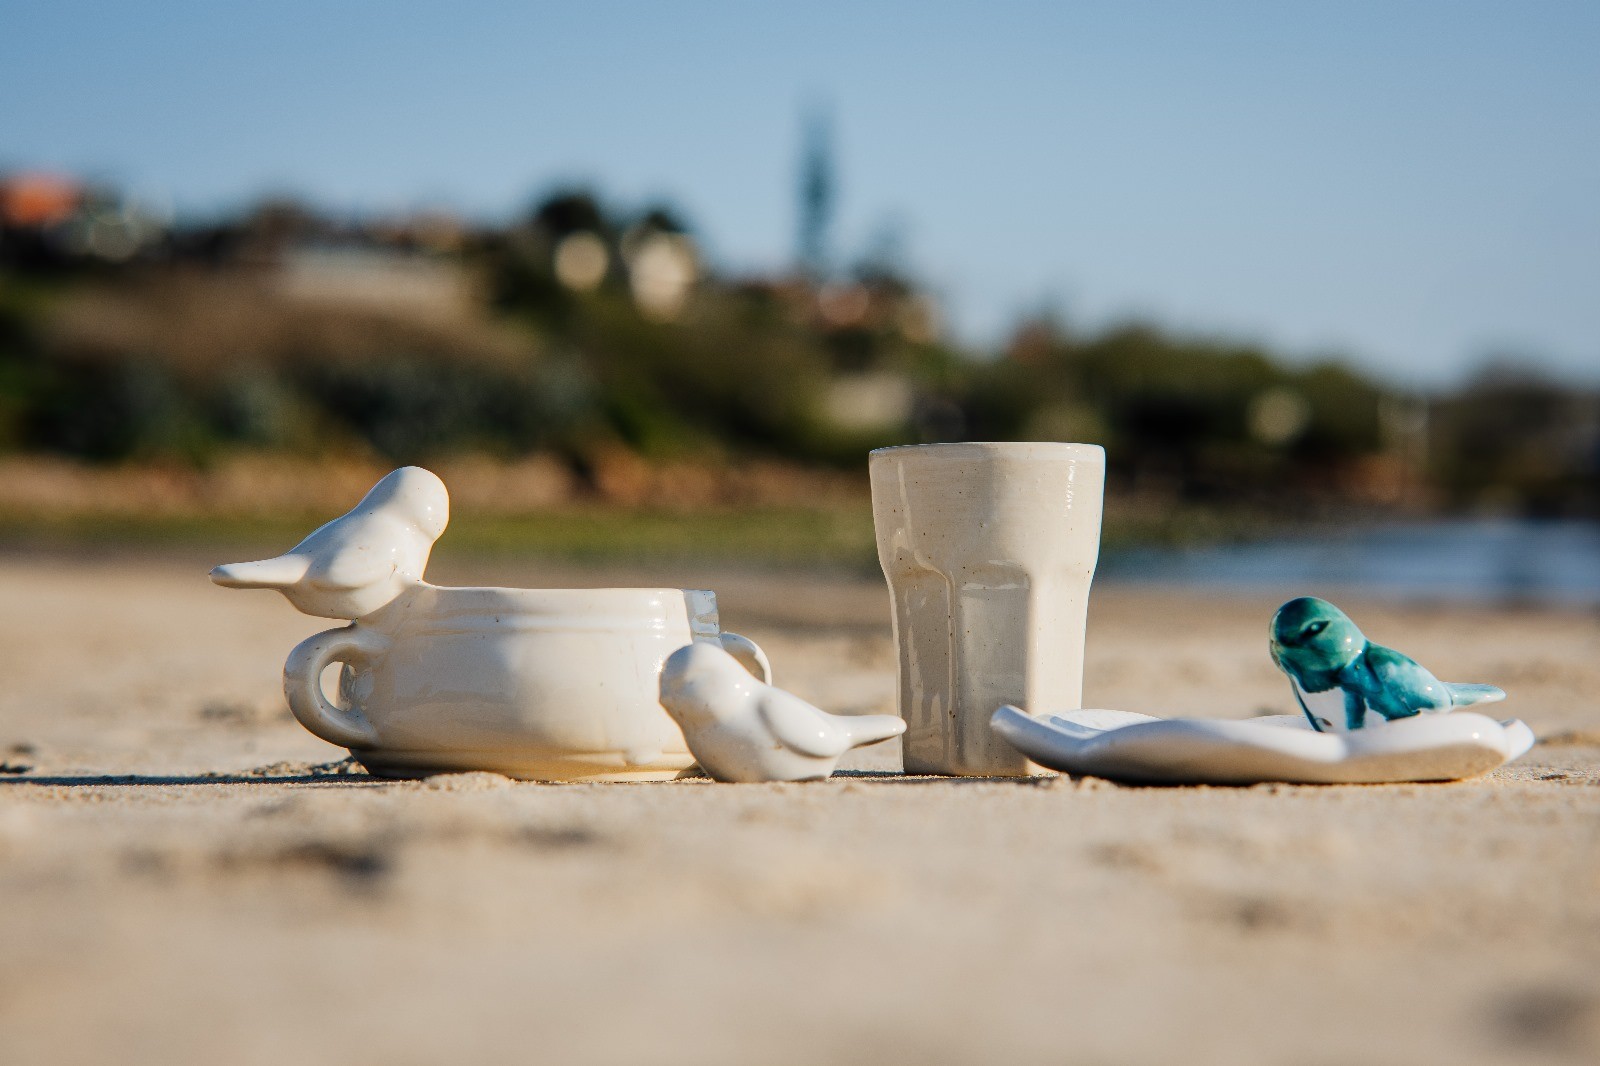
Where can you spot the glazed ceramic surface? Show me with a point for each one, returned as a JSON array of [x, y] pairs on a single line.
[[1343, 681], [989, 551], [547, 684], [1140, 749], [357, 563], [742, 729]]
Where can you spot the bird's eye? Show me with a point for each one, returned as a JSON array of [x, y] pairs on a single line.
[[1313, 629]]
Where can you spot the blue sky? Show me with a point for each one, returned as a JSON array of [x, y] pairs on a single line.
[[1416, 185]]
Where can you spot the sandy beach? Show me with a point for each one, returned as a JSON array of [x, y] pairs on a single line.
[[187, 876]]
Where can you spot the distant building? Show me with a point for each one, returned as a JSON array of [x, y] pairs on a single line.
[[379, 278], [878, 400], [50, 218], [39, 201]]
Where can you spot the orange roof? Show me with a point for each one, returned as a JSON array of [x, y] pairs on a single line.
[[38, 199]]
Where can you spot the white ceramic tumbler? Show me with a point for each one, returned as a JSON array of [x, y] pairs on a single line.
[[989, 550]]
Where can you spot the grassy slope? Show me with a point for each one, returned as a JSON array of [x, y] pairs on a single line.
[[832, 535]]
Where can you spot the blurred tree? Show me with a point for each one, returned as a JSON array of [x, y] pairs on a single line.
[[1513, 439], [184, 358], [567, 212]]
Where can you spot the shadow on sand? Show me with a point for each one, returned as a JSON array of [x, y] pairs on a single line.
[[342, 776], [332, 774]]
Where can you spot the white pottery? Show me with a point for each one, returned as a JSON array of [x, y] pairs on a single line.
[[743, 729], [360, 561], [1141, 749], [989, 550], [543, 684]]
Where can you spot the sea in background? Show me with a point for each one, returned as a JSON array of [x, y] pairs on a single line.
[[1490, 561]]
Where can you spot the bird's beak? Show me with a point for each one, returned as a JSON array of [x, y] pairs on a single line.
[[279, 573]]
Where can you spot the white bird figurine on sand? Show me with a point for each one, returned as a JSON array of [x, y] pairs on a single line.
[[360, 562], [741, 729]]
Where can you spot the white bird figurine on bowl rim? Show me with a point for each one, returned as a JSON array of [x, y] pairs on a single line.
[[362, 560]]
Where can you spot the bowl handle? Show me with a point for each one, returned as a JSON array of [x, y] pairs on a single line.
[[749, 654], [302, 684]]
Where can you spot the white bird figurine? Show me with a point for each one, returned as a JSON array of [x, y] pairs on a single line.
[[742, 729], [360, 562]]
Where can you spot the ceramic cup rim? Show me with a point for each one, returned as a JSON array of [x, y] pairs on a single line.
[[977, 449], [698, 606], [578, 591]]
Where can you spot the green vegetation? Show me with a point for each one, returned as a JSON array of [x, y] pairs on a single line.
[[796, 536], [586, 331], [838, 536]]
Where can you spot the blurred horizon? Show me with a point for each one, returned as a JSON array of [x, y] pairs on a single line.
[[1410, 189]]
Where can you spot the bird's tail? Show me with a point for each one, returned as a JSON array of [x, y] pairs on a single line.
[[279, 573], [1467, 695], [871, 728]]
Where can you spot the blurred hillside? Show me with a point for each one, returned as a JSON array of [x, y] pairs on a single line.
[[587, 356]]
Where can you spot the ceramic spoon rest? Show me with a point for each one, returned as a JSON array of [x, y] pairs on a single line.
[[1142, 749]]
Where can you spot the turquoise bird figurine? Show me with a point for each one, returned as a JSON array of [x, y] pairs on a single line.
[[1344, 681]]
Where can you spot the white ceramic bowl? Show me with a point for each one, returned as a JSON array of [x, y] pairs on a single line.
[[543, 684]]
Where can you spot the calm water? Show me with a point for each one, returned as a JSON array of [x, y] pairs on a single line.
[[1485, 561]]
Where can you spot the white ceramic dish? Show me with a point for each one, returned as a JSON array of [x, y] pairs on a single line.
[[1141, 749]]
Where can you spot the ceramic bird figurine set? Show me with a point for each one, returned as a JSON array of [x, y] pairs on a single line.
[[989, 550]]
